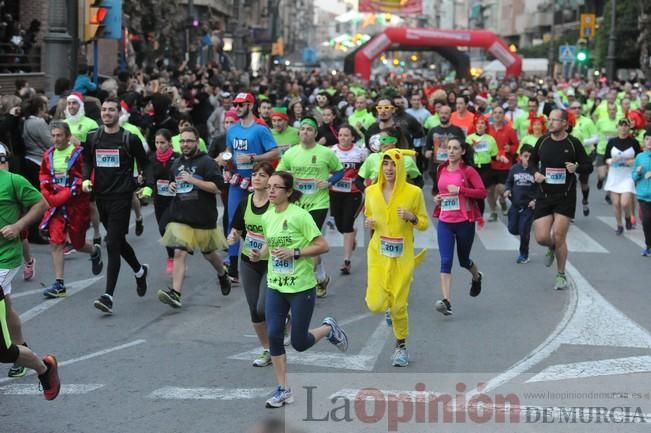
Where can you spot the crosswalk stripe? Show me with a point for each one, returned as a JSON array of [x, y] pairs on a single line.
[[579, 242], [32, 389], [636, 235], [496, 237], [426, 239]]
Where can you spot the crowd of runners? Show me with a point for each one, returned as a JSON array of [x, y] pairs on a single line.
[[287, 155]]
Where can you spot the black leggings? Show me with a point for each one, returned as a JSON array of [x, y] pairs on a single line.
[[344, 207], [254, 280], [162, 218], [645, 207], [114, 215], [8, 351]]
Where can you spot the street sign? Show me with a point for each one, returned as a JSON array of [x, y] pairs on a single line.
[[588, 26], [566, 53]]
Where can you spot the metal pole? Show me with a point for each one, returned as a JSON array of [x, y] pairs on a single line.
[[612, 42], [188, 29], [95, 61]]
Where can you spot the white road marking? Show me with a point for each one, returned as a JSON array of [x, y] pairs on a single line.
[[26, 293], [72, 289], [32, 389], [177, 393], [342, 323], [636, 235], [589, 320], [496, 237], [605, 367], [364, 361], [86, 357], [578, 241]]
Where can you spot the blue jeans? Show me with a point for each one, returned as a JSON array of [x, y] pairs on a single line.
[[277, 306], [464, 235], [520, 220]]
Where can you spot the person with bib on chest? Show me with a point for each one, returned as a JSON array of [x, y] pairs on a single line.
[[393, 210], [315, 169], [108, 171], [247, 226], [68, 215], [457, 209], [555, 159], [292, 240], [346, 196], [192, 224], [485, 152], [159, 173]]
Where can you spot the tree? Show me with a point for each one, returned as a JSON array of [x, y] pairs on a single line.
[[626, 31]]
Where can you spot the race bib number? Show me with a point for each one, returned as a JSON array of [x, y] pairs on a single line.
[[183, 187], [306, 186], [344, 185], [282, 266], [481, 146], [391, 247], [244, 165], [107, 158], [163, 188], [555, 176], [60, 179], [450, 203], [442, 155], [254, 241]]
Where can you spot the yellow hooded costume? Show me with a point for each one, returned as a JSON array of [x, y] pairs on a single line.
[[391, 259]]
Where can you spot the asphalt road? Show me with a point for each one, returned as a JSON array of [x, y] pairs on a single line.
[[149, 368]]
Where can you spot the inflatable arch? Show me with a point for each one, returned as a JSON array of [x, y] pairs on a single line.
[[420, 37]]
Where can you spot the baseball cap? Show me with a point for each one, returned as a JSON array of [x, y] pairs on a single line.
[[244, 97]]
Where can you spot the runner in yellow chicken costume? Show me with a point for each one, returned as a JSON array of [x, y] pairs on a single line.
[[394, 209]]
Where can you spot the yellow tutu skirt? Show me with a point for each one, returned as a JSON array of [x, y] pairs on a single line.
[[186, 238]]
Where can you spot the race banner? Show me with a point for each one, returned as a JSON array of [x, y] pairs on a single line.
[[398, 7]]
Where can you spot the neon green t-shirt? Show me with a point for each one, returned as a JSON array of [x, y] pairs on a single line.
[[308, 167], [601, 112], [286, 139], [529, 139], [16, 194], [432, 121], [176, 144], [370, 169], [81, 128], [523, 102], [583, 130], [607, 129], [363, 117], [485, 148], [60, 160], [291, 228]]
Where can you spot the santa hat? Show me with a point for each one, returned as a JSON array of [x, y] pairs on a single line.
[[482, 96], [76, 96], [125, 106]]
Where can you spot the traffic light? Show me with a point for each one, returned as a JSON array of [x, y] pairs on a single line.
[[102, 19], [582, 56]]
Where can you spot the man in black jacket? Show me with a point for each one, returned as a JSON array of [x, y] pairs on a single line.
[[110, 153]]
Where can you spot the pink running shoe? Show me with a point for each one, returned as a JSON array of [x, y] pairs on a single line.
[[29, 269], [169, 268]]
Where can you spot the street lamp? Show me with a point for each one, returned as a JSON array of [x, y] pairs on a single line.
[[612, 42]]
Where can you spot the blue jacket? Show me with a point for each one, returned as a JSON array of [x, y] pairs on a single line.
[[521, 184], [83, 84], [642, 185]]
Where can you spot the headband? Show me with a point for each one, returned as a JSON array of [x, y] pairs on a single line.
[[310, 122]]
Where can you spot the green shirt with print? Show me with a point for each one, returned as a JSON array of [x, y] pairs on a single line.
[[607, 129], [370, 169], [291, 228], [16, 194], [82, 127], [308, 167], [286, 139], [485, 148]]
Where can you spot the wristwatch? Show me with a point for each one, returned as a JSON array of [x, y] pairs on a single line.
[[297, 253]]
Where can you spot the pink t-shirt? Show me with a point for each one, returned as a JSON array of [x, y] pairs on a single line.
[[451, 203]]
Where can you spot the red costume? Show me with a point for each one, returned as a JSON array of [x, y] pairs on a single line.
[[68, 215]]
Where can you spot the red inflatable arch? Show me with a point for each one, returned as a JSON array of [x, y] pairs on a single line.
[[418, 37]]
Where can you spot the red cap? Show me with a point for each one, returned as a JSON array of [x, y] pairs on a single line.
[[244, 97]]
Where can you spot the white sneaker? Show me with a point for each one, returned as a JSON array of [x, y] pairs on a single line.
[[280, 398], [263, 360]]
